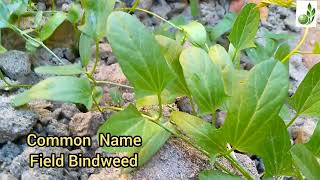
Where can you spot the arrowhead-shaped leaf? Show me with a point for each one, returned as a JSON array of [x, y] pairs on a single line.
[[138, 53], [51, 25], [255, 104], [200, 132], [60, 88], [204, 79], [96, 14], [65, 70], [129, 122], [316, 49], [214, 174], [222, 27], [245, 28], [306, 100], [253, 121]]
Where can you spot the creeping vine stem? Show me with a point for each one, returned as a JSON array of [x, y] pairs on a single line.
[[296, 49]]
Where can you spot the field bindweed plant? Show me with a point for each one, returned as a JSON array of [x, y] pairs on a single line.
[[161, 68]]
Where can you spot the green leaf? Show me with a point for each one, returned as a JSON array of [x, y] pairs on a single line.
[[222, 27], [138, 53], [66, 70], [255, 104], [129, 122], [200, 132], [85, 43], [214, 174], [38, 19], [306, 100], [75, 13], [60, 88], [282, 51], [245, 28], [220, 56], [204, 79], [307, 163], [51, 25], [96, 13], [194, 6], [276, 152], [171, 50], [196, 33], [313, 144]]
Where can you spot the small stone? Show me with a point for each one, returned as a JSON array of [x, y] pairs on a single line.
[[69, 110], [57, 129], [8, 152], [84, 124], [7, 176], [15, 64], [14, 123], [128, 97], [20, 165], [111, 73]]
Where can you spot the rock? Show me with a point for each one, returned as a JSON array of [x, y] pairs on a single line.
[[146, 4], [161, 8], [109, 173], [297, 72], [20, 165], [302, 129], [245, 161], [211, 13], [8, 152], [183, 104], [175, 160], [42, 108], [69, 110], [84, 124], [111, 73], [128, 97], [14, 123], [57, 129], [15, 64], [7, 176]]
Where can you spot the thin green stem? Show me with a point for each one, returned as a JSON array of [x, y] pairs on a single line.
[[300, 52], [220, 166], [9, 85], [153, 14], [193, 106], [213, 119], [52, 6], [239, 167], [296, 49], [135, 5], [28, 37], [160, 106], [97, 59], [114, 84], [292, 120]]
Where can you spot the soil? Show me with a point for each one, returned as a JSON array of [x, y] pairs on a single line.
[[175, 160]]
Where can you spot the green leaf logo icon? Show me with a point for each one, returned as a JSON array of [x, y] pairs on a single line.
[[308, 17]]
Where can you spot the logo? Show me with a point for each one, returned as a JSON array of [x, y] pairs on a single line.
[[306, 13]]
